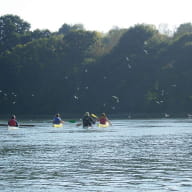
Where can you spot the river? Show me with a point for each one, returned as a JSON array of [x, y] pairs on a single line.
[[142, 155]]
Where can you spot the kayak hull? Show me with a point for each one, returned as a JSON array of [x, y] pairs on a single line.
[[103, 125], [12, 127], [58, 125]]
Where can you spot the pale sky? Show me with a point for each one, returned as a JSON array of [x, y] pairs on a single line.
[[99, 15]]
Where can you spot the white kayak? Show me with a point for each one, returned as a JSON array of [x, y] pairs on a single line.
[[12, 127]]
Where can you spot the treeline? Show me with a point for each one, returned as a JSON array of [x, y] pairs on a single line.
[[134, 70]]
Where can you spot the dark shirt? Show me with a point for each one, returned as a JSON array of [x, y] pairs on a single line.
[[88, 121]]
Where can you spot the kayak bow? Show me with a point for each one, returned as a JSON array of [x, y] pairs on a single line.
[[58, 125], [12, 127], [22, 125], [103, 125]]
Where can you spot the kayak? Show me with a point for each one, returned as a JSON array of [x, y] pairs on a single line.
[[58, 125], [103, 125], [22, 125], [12, 127]]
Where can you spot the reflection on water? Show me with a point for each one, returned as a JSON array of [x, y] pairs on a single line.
[[132, 155]]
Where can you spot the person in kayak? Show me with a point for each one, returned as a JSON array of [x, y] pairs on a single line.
[[88, 120], [13, 122], [103, 119], [57, 119]]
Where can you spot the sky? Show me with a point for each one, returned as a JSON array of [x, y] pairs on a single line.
[[98, 15]]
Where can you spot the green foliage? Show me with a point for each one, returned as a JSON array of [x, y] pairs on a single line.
[[112, 38], [12, 31], [183, 29], [37, 34], [65, 28], [135, 70]]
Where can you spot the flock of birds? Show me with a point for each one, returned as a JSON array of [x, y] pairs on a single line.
[[115, 99], [12, 96]]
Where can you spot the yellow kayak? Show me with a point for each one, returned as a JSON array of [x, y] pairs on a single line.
[[58, 125], [103, 125]]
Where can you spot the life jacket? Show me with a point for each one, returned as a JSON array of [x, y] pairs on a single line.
[[102, 120], [56, 120], [87, 121], [12, 122]]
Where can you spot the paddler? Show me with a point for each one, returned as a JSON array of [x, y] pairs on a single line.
[[103, 119], [88, 120], [57, 119], [13, 122]]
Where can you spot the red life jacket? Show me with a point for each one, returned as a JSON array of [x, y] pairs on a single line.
[[12, 122], [103, 120]]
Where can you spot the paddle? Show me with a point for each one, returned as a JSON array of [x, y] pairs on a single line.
[[22, 125], [26, 125], [69, 121], [95, 116], [72, 121]]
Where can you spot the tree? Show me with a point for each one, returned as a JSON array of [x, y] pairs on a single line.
[[79, 42], [111, 39], [184, 28], [134, 39], [11, 29], [40, 34], [65, 28]]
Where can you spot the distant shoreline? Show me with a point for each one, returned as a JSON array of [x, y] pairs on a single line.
[[112, 116]]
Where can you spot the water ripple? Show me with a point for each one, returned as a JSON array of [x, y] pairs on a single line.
[[132, 155]]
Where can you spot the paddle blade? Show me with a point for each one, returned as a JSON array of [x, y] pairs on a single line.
[[93, 115], [72, 121]]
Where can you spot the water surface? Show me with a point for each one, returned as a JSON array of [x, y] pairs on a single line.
[[132, 155]]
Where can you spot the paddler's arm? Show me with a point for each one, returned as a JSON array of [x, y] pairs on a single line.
[[109, 122], [17, 125]]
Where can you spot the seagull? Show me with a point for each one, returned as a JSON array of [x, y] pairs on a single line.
[[167, 115], [146, 52], [129, 66], [75, 97], [116, 98], [127, 58]]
